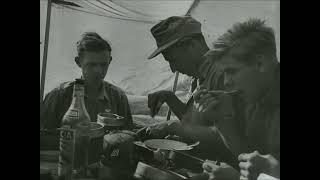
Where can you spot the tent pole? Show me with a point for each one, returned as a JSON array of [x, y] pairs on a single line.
[[193, 5], [45, 51]]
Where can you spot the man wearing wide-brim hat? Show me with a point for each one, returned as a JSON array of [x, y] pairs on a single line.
[[181, 42]]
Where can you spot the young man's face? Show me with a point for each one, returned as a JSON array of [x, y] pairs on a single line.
[[181, 59], [239, 76], [94, 66]]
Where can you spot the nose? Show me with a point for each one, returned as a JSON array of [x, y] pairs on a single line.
[[228, 81]]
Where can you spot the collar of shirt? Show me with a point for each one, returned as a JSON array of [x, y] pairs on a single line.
[[203, 71], [196, 82], [103, 95]]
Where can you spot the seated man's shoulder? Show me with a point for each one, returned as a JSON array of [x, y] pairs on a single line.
[[114, 88], [63, 87]]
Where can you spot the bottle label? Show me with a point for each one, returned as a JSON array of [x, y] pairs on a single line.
[[73, 113], [66, 156]]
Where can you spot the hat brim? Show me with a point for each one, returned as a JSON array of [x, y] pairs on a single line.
[[163, 47]]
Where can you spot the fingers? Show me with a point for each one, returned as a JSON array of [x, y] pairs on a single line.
[[150, 100], [148, 130], [244, 165], [244, 157], [211, 103], [248, 170], [157, 130], [199, 94], [209, 166], [154, 108], [203, 98], [216, 92], [255, 153], [207, 101], [153, 104], [248, 156], [155, 101], [157, 108], [244, 173], [245, 169]]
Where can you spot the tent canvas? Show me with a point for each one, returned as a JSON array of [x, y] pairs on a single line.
[[126, 25]]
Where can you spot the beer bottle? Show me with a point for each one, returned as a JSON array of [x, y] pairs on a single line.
[[71, 158]]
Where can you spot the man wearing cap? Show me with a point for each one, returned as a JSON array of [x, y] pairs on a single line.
[[182, 44]]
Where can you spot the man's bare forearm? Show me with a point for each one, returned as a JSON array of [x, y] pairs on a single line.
[[176, 106]]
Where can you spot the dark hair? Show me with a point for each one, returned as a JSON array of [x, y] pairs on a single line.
[[253, 35], [92, 41]]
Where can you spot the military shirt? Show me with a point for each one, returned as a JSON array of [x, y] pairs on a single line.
[[57, 102]]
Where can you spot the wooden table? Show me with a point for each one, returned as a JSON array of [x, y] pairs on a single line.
[[49, 167]]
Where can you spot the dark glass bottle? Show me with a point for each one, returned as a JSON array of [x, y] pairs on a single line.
[[71, 158]]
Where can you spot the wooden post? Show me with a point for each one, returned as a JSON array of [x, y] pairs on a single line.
[[45, 51]]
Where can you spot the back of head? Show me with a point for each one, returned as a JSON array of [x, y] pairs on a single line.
[[92, 42], [253, 36]]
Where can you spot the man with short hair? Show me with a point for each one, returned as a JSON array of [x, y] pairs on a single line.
[[94, 58], [248, 58]]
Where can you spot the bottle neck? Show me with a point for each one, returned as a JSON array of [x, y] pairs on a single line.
[[77, 111], [78, 91], [78, 97]]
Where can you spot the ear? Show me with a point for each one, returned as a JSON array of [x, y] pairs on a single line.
[[77, 60]]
